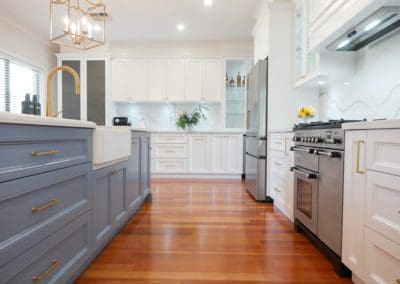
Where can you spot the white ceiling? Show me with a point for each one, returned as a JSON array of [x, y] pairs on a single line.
[[151, 20]]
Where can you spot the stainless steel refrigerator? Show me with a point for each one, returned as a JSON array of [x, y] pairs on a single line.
[[256, 132]]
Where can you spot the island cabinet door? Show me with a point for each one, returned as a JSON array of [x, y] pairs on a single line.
[[145, 167], [133, 197], [118, 194], [102, 218]]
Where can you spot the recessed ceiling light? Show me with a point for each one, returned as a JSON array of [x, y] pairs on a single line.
[[180, 27], [208, 2]]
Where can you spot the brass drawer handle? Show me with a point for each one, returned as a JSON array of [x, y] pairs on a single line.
[[358, 157], [114, 172], [46, 153], [52, 203], [54, 264]]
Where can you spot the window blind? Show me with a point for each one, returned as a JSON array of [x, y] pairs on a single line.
[[17, 80]]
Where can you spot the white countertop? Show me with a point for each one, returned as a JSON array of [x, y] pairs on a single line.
[[227, 131], [285, 130], [378, 124], [12, 118]]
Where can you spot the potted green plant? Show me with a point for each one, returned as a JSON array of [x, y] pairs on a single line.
[[187, 121]]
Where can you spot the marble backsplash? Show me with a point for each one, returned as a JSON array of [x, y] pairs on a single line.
[[163, 116], [374, 90]]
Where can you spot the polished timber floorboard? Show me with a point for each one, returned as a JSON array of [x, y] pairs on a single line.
[[208, 232]]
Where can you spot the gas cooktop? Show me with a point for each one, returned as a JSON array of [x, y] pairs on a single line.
[[322, 124]]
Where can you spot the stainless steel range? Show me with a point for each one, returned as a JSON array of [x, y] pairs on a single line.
[[318, 185]]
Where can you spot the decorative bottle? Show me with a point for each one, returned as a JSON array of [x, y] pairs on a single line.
[[36, 105], [238, 80], [27, 106]]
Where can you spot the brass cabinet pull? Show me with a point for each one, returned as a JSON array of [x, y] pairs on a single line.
[[114, 172], [54, 264], [358, 157], [277, 189], [46, 153], [52, 203]]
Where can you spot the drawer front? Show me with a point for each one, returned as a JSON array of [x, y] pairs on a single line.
[[383, 204], [278, 144], [278, 188], [56, 259], [170, 138], [383, 151], [40, 205], [170, 151], [279, 166], [29, 150], [382, 259], [169, 165]]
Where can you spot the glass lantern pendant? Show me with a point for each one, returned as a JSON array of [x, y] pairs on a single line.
[[78, 23]]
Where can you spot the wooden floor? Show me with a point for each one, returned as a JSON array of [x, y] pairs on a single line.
[[208, 232]]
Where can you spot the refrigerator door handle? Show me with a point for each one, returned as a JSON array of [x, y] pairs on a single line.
[[254, 156]]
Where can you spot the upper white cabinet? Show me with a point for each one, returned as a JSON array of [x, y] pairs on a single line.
[[194, 80], [331, 18], [170, 79], [121, 81], [175, 80], [213, 80], [139, 80], [371, 205], [157, 79], [313, 69]]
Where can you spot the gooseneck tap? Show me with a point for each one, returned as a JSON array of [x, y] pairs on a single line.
[[50, 76]]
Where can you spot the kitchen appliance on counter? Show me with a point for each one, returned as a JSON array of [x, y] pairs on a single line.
[[121, 121], [318, 186], [256, 132]]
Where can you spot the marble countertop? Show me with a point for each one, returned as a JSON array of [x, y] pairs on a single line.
[[284, 130], [378, 124], [201, 131], [12, 118]]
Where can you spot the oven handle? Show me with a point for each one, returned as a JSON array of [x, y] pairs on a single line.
[[328, 154], [305, 150], [308, 175]]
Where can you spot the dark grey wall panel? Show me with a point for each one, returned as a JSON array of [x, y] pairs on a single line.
[[96, 91], [70, 101]]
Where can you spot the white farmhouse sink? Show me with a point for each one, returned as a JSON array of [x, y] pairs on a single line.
[[111, 144]]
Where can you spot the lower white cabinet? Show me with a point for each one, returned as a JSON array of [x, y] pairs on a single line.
[[197, 154], [371, 206], [227, 154], [382, 259], [279, 162]]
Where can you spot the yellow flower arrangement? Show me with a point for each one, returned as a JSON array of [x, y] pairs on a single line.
[[306, 112]]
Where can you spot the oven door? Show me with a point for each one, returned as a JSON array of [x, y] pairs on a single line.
[[306, 197]]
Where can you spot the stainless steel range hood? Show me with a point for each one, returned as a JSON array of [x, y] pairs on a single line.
[[382, 22]]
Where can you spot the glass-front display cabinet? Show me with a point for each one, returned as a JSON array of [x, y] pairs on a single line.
[[236, 71]]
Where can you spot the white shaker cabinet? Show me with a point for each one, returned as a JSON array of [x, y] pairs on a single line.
[[199, 155], [157, 80], [121, 80], [140, 80], [353, 202], [175, 80], [371, 205], [194, 79], [227, 154], [213, 80]]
